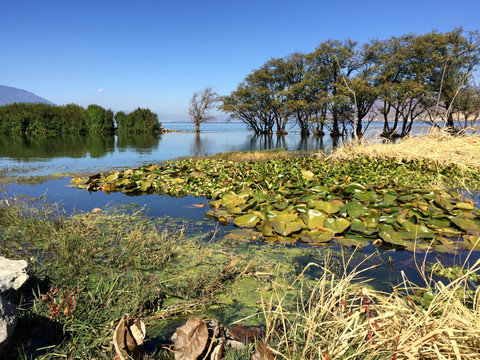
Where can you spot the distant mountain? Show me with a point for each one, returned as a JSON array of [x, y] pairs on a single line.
[[10, 95]]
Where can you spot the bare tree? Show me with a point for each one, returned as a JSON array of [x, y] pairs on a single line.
[[200, 104]]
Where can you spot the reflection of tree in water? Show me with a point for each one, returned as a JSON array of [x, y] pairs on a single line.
[[311, 143], [99, 145], [199, 146], [142, 143], [267, 142], [46, 147]]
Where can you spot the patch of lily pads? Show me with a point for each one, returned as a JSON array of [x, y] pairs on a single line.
[[312, 201]]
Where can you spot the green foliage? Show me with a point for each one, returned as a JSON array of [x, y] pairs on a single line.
[[140, 121], [99, 120], [43, 119], [315, 201], [413, 77]]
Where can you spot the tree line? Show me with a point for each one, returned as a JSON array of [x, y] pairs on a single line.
[[342, 86], [45, 119]]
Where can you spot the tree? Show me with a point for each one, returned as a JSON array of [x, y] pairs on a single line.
[[139, 121], [336, 61], [452, 58], [200, 104]]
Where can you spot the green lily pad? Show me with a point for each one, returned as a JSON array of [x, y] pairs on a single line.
[[316, 236], [366, 196], [419, 231], [329, 207], [351, 241], [145, 185], [307, 197], [248, 220], [471, 226], [390, 235], [337, 225], [354, 188], [285, 224], [438, 223], [355, 209], [313, 218], [359, 226], [464, 206]]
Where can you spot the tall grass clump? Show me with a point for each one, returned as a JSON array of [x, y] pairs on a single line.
[[437, 145], [341, 317]]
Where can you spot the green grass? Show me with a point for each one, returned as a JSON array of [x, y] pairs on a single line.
[[87, 270], [90, 269]]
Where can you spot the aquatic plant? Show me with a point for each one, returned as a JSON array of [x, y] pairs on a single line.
[[316, 201]]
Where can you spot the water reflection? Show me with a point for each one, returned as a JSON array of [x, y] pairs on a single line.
[[142, 143], [91, 153], [287, 142], [199, 146], [22, 148]]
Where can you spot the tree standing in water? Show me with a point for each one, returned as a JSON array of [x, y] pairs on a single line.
[[200, 104]]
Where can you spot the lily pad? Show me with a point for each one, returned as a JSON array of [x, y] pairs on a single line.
[[329, 207], [471, 226], [338, 226], [355, 209], [360, 227], [243, 235], [248, 220], [351, 241], [285, 224], [419, 231], [317, 236], [313, 218], [401, 238]]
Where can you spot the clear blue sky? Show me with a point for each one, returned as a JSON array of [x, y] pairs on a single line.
[[127, 54]]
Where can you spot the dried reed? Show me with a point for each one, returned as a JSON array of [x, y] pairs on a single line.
[[341, 318], [436, 145]]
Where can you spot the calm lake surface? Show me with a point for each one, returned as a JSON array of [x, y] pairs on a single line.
[[46, 155], [43, 156]]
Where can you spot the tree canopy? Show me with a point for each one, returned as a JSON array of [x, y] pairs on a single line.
[[343, 86]]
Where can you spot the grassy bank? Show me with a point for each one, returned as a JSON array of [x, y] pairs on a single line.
[[89, 269]]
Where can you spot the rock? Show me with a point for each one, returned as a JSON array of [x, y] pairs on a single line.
[[13, 274], [8, 321]]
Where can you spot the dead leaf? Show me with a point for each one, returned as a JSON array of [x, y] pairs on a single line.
[[129, 334], [263, 352], [244, 333], [191, 340], [218, 352]]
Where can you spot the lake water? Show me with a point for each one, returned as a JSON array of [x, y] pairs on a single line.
[[44, 156], [80, 154]]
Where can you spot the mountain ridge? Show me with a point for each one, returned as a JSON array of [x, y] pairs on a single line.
[[10, 95]]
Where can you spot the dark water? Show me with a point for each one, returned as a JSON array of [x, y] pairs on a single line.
[[43, 156]]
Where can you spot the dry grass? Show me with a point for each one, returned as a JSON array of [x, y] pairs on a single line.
[[436, 145], [264, 155], [343, 319]]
